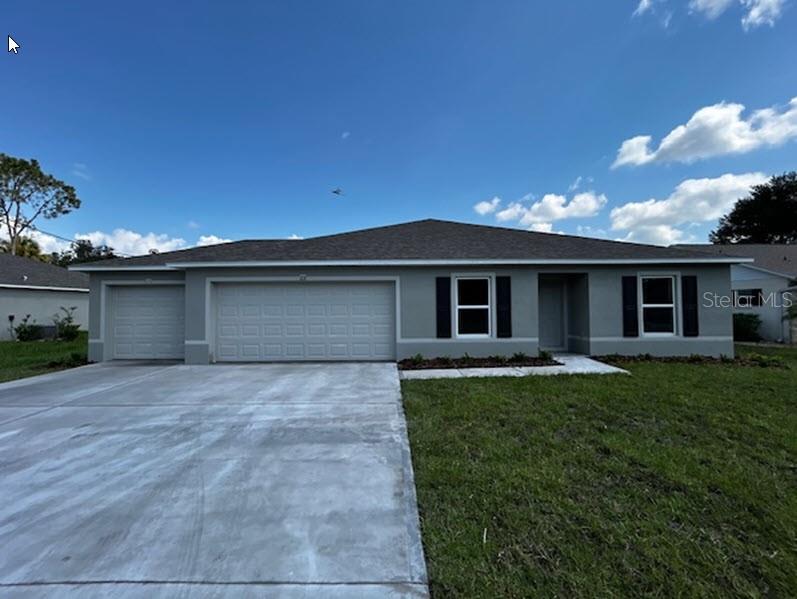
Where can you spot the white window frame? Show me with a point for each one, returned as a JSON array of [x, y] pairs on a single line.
[[673, 306], [488, 306]]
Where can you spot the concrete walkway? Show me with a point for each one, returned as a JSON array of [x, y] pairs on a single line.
[[153, 481], [571, 364]]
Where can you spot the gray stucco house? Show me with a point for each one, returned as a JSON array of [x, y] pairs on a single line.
[[430, 287], [760, 287], [33, 287]]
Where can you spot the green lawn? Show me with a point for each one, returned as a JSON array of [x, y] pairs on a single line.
[[678, 480], [22, 359]]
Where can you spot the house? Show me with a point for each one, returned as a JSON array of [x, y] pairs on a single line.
[[33, 287], [759, 287], [429, 287]]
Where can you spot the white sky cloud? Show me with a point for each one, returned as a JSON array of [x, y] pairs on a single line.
[[47, 243], [345, 135], [132, 243], [192, 224], [643, 7], [487, 207], [658, 235], [211, 240], [295, 237], [540, 215], [692, 201], [711, 9], [757, 12], [713, 131], [762, 12]]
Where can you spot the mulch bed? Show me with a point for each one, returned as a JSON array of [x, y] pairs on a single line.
[[759, 360], [492, 362]]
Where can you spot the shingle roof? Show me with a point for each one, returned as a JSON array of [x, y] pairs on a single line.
[[427, 240], [777, 257], [16, 270]]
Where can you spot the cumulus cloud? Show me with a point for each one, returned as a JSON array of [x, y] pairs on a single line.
[[713, 131], [295, 237], [132, 243], [541, 215], [658, 235], [757, 12], [692, 201], [47, 243], [487, 207], [211, 240]]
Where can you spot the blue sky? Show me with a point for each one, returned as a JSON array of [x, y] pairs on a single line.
[[236, 119]]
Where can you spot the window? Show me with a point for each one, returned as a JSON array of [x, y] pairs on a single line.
[[473, 307], [658, 305], [747, 298]]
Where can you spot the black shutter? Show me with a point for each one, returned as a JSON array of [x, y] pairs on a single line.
[[503, 300], [689, 300], [443, 307], [630, 313]]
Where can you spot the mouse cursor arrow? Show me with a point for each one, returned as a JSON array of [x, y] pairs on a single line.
[[12, 45]]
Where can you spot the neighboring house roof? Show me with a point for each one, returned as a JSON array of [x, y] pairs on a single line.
[[780, 258], [16, 271], [425, 241]]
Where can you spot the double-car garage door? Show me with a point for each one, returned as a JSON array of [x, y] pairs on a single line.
[[304, 321], [253, 322]]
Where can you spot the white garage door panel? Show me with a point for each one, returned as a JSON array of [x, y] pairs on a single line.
[[305, 321], [148, 322]]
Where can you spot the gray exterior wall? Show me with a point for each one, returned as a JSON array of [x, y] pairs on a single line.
[[606, 325], [594, 311], [42, 305], [773, 326]]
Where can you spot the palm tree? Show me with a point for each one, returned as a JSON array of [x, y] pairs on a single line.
[[26, 247]]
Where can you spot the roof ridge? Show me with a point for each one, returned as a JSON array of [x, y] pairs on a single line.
[[376, 228]]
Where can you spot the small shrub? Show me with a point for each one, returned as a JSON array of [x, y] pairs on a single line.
[[417, 359], [745, 327], [74, 360], [27, 330], [65, 327], [445, 360], [466, 360], [545, 355], [518, 356]]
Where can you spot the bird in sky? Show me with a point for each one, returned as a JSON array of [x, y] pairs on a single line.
[[337, 191]]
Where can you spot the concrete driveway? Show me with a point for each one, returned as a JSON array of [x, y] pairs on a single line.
[[153, 480]]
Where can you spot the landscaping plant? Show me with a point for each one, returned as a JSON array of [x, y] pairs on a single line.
[[65, 327]]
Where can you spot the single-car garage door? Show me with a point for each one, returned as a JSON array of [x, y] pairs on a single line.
[[304, 321], [147, 322]]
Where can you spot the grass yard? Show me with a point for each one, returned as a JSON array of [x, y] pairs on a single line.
[[680, 480], [22, 359]]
